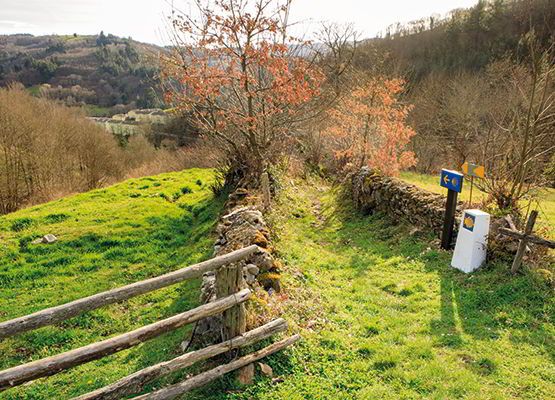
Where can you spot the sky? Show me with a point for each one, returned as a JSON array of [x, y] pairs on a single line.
[[146, 20]]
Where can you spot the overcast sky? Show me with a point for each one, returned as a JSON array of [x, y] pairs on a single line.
[[144, 19]]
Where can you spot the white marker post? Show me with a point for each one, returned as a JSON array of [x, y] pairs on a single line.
[[472, 241]]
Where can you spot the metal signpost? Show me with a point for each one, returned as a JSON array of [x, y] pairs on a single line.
[[473, 170], [452, 180]]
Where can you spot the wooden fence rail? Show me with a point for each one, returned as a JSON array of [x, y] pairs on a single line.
[[52, 365], [60, 313], [229, 303], [134, 383], [525, 238], [203, 378]]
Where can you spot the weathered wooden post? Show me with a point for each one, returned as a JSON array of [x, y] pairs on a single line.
[[524, 242], [453, 181], [229, 280]]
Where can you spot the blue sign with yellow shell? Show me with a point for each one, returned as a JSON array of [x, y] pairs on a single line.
[[469, 221], [451, 180]]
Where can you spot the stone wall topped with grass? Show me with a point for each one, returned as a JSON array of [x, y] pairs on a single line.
[[373, 192], [242, 225]]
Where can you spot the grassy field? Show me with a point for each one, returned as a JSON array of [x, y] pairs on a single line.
[[107, 238], [383, 316], [545, 205]]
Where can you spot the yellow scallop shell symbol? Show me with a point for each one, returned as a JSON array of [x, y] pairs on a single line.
[[468, 222]]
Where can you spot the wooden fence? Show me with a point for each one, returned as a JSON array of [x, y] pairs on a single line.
[[230, 303]]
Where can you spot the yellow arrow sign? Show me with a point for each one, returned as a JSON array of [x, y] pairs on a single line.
[[480, 171], [474, 170]]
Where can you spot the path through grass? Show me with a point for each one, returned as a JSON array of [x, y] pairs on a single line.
[[383, 316]]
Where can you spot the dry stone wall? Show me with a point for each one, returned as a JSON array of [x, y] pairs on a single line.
[[373, 192], [241, 225]]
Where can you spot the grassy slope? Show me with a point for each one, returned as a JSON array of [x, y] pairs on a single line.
[[108, 237], [546, 197], [383, 316]]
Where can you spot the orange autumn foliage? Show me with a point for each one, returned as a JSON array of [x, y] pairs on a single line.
[[368, 128], [233, 70]]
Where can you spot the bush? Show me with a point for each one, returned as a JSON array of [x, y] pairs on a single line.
[[46, 69]]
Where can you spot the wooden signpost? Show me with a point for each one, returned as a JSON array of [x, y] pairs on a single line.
[[453, 181]]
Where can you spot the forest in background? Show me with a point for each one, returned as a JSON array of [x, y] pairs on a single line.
[[465, 39], [457, 68], [105, 73]]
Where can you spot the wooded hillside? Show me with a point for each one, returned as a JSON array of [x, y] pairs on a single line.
[[102, 70], [466, 39]]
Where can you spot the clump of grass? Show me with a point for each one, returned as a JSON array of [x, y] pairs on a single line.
[[371, 331], [384, 365], [21, 224], [365, 352], [56, 218], [485, 366], [389, 288]]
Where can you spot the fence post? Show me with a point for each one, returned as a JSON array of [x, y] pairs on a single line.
[[524, 242], [229, 280]]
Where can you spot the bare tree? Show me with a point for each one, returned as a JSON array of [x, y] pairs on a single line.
[[520, 140]]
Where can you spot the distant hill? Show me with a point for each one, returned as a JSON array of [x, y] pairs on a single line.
[[102, 70], [465, 39]]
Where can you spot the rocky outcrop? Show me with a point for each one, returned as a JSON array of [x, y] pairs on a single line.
[[373, 192]]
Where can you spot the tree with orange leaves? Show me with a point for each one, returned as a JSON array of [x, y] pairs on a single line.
[[368, 128], [233, 69]]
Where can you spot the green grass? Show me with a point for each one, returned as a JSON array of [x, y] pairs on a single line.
[[107, 238], [546, 197], [34, 90], [383, 316], [97, 111]]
